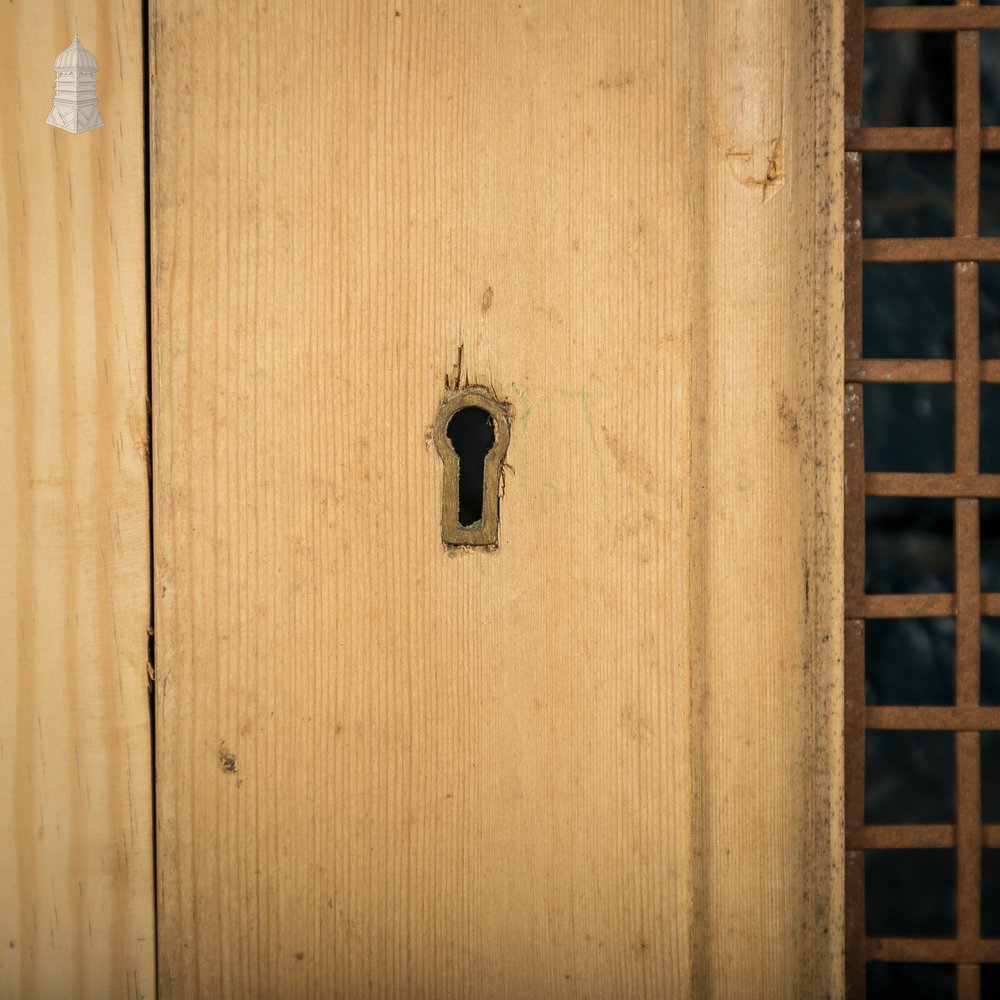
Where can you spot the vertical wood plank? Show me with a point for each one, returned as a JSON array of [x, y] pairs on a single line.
[[766, 109], [605, 759], [76, 853]]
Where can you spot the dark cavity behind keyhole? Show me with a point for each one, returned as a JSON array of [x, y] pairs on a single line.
[[470, 432]]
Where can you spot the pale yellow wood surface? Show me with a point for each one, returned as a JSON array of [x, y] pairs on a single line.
[[604, 760], [76, 853]]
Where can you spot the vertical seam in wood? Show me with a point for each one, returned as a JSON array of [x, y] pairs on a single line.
[[151, 640]]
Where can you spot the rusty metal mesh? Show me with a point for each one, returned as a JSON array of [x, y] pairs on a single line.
[[965, 486]]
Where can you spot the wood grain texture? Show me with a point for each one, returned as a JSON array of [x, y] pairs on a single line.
[[76, 852], [603, 760]]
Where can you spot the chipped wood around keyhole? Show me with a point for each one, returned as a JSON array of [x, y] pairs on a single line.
[[485, 531]]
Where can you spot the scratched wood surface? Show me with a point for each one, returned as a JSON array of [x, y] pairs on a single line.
[[603, 760], [76, 853]]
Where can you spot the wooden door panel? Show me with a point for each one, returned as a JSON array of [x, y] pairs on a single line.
[[601, 760]]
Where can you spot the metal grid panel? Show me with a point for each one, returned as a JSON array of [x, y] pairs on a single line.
[[965, 485]]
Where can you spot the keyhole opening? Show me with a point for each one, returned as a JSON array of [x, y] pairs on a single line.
[[470, 432]]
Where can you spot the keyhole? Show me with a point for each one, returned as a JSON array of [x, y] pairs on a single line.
[[470, 432]]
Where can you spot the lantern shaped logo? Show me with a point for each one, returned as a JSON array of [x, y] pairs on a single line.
[[75, 104]]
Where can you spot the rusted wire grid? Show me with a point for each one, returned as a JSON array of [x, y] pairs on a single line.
[[965, 485]]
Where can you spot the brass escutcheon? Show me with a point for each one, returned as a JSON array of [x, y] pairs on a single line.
[[484, 531]]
